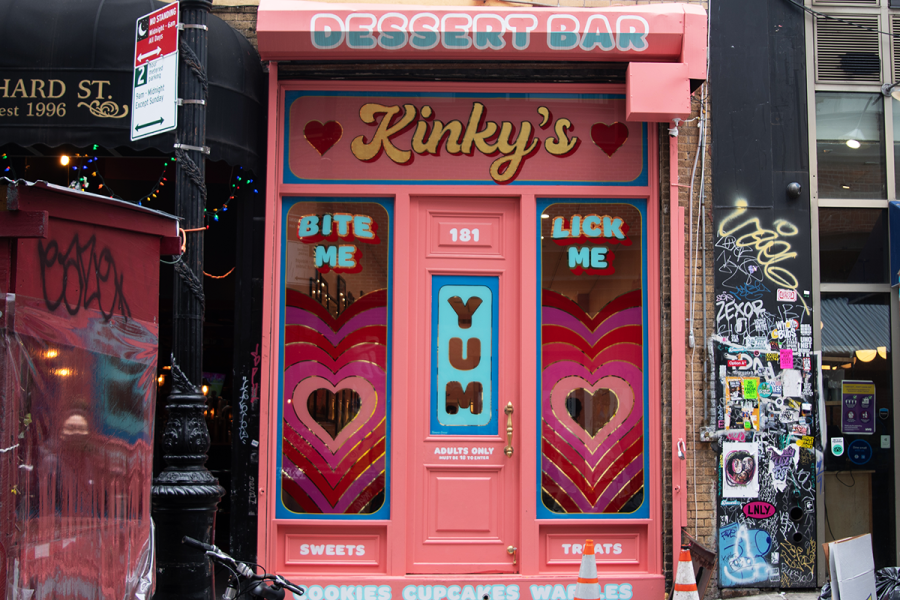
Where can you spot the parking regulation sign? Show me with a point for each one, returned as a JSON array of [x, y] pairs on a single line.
[[155, 84]]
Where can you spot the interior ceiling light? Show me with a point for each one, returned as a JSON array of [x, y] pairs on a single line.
[[866, 355], [64, 160], [882, 351], [846, 366], [892, 90], [853, 142]]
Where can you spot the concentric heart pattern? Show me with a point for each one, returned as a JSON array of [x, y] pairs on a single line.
[[343, 471], [581, 472]]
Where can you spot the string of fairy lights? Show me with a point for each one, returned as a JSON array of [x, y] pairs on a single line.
[[85, 176]]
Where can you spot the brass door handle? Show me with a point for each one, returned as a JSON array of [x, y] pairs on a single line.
[[509, 429], [513, 551]]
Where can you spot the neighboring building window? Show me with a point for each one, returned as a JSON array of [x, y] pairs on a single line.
[[852, 246], [850, 145]]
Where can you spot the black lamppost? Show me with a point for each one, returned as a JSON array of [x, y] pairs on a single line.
[[185, 494]]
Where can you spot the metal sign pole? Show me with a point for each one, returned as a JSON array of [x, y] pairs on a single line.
[[185, 495]]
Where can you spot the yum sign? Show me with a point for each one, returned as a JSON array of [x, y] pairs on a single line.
[[462, 138]]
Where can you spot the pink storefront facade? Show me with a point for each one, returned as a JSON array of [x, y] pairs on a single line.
[[461, 339]]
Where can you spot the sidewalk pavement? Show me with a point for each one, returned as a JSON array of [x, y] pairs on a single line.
[[811, 595]]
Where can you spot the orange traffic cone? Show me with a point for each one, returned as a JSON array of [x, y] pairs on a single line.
[[685, 583], [588, 587]]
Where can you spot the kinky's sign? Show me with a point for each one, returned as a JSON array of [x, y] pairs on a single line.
[[462, 138]]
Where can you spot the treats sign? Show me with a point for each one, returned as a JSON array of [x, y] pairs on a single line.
[[440, 138]]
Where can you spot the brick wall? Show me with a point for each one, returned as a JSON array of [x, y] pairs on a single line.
[[700, 461]]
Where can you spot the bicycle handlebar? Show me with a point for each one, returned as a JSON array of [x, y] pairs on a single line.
[[198, 544], [242, 568]]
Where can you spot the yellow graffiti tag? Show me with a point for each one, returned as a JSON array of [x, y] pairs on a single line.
[[797, 557], [769, 245]]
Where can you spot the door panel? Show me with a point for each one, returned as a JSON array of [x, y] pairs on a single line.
[[466, 289]]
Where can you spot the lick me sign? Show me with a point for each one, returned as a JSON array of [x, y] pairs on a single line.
[[462, 138]]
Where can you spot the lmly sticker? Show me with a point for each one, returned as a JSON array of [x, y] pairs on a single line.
[[764, 390], [759, 509], [837, 446]]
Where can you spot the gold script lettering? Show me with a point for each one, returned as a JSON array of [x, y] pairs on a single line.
[[381, 141]]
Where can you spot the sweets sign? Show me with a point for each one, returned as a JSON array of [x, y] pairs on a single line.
[[461, 138]]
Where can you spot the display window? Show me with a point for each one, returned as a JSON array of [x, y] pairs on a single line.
[[592, 357], [335, 353]]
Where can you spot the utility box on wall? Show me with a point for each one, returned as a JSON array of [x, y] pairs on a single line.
[[79, 303]]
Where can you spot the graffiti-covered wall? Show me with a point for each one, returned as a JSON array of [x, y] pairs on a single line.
[[765, 374], [767, 426]]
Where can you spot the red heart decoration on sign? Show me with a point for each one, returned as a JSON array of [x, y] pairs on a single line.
[[323, 137], [609, 138]]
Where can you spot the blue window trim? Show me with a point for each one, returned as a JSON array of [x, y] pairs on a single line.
[[281, 512], [493, 283], [643, 512]]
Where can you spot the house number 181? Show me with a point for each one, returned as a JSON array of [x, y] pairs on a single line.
[[464, 235]]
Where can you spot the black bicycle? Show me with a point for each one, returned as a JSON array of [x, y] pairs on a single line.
[[243, 578]]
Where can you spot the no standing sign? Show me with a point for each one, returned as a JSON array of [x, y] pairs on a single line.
[[155, 84]]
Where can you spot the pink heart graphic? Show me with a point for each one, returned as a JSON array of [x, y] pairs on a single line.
[[323, 136], [609, 138], [368, 401], [619, 387]]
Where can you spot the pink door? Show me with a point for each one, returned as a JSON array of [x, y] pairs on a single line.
[[465, 451]]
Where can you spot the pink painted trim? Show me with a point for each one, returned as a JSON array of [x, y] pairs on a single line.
[[655, 527], [401, 453], [676, 277], [269, 367], [530, 561]]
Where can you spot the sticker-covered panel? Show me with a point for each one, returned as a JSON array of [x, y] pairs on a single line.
[[767, 415]]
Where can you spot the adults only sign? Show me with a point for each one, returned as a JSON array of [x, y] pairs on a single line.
[[155, 84]]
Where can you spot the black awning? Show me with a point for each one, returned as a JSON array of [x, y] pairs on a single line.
[[65, 78]]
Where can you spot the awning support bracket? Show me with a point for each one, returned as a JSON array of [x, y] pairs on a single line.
[[183, 26]]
